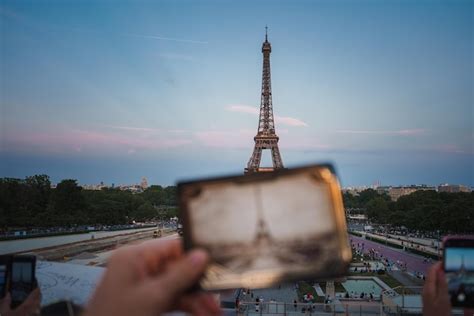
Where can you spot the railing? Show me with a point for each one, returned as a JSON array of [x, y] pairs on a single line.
[[317, 309]]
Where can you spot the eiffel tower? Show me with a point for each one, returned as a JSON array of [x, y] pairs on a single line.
[[266, 137]]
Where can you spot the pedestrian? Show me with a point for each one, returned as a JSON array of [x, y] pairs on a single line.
[[295, 304]]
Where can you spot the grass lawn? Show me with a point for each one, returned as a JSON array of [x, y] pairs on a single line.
[[305, 288], [338, 288]]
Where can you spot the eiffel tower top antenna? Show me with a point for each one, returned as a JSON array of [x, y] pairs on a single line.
[[266, 137]]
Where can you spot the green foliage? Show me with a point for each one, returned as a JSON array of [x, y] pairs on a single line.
[[377, 208], [66, 204], [421, 210], [306, 288], [31, 202], [23, 202]]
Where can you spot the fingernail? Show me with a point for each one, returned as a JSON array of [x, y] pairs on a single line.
[[198, 257]]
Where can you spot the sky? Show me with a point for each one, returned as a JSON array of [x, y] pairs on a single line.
[[116, 90], [456, 256]]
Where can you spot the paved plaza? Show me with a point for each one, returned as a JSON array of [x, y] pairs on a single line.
[[414, 262], [286, 293]]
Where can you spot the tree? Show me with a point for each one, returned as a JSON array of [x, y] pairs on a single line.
[[37, 195], [12, 210], [67, 204], [154, 194], [145, 212], [377, 209]]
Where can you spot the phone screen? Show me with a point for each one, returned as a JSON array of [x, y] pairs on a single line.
[[21, 280], [3, 279], [459, 268]]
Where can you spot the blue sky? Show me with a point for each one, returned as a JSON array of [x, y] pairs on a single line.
[[115, 90], [455, 258]]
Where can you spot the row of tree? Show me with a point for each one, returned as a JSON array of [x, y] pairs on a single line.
[[421, 210], [31, 202]]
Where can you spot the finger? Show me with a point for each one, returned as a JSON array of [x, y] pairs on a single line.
[[171, 248], [5, 303], [179, 277], [468, 311], [31, 305], [155, 253], [213, 304], [442, 284], [133, 263], [429, 290], [199, 304]]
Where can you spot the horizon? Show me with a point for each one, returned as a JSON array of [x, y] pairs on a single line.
[[99, 92], [364, 186]]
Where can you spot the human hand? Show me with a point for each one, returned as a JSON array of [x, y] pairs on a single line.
[[31, 306], [150, 279], [436, 300]]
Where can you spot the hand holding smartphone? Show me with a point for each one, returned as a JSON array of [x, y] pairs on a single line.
[[17, 276], [458, 265], [4, 264]]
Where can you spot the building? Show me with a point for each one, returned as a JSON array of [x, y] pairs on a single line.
[[144, 183], [354, 190], [453, 188], [396, 192]]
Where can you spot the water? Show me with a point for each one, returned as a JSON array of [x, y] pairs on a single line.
[[10, 246], [359, 286]]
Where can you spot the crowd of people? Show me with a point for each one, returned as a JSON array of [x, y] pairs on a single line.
[[155, 277], [376, 255]]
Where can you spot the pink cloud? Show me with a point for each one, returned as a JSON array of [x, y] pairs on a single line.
[[135, 129], [226, 139], [97, 141], [289, 121], [243, 139], [243, 109], [283, 120], [450, 148], [403, 132]]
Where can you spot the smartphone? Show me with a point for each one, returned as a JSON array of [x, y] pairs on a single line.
[[22, 277], [458, 264], [4, 267], [264, 229]]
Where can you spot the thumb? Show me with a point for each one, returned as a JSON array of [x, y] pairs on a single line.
[[182, 275], [5, 303]]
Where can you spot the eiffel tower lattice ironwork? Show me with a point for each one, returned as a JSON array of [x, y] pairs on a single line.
[[266, 137]]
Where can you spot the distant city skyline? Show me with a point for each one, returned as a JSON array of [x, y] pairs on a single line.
[[348, 187], [96, 91]]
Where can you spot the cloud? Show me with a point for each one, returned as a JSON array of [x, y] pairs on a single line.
[[279, 120], [92, 141], [176, 56], [155, 37], [162, 38], [135, 129], [451, 149], [402, 132], [242, 109], [231, 139], [289, 121]]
